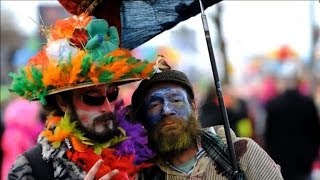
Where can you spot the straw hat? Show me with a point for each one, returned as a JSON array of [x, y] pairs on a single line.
[[81, 51]]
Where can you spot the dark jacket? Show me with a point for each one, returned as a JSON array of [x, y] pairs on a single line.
[[292, 132]]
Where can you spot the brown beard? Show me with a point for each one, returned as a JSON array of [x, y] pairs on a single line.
[[91, 134], [170, 140]]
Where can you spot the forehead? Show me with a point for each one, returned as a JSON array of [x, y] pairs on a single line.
[[168, 87]]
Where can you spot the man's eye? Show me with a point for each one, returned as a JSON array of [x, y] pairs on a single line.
[[155, 104], [177, 100], [112, 93]]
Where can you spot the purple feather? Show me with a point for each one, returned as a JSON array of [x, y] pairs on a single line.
[[137, 141]]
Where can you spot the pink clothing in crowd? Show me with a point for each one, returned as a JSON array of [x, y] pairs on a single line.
[[268, 90], [22, 127]]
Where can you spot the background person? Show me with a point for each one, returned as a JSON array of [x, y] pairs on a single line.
[[22, 125], [292, 133]]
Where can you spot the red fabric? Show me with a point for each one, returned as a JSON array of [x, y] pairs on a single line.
[[125, 164]]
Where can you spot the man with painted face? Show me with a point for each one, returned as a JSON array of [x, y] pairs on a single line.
[[165, 104], [76, 76]]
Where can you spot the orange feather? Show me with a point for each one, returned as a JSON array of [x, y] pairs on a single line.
[[76, 67], [78, 145]]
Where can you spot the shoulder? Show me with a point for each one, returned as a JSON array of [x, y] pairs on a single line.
[[251, 150], [252, 158], [21, 169], [255, 161]]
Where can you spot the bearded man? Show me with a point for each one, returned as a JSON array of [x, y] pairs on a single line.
[[165, 104], [76, 76]]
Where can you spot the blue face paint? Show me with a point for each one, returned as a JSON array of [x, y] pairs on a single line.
[[166, 102]]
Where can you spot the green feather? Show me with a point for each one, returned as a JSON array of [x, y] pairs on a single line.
[[139, 69], [109, 59], [132, 60], [128, 75], [85, 66], [115, 140], [97, 149], [56, 144], [105, 76], [29, 89], [18, 83], [66, 123], [37, 80]]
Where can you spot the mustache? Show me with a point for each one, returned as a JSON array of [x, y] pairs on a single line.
[[171, 119], [156, 132], [105, 117]]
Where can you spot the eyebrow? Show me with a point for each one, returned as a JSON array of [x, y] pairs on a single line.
[[154, 98], [175, 94], [157, 97]]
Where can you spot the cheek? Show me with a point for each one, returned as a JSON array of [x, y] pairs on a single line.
[[153, 117], [184, 111], [154, 111], [86, 117]]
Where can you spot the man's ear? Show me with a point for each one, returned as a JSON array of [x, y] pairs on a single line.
[[63, 104], [193, 105]]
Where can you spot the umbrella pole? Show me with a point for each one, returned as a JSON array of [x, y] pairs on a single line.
[[219, 91]]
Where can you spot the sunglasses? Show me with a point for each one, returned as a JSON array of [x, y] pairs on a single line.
[[111, 95]]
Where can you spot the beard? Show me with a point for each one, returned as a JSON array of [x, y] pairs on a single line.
[[173, 135], [100, 137]]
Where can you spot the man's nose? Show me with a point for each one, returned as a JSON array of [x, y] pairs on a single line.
[[168, 110], [106, 107]]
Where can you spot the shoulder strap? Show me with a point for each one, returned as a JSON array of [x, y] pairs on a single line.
[[40, 168], [215, 148]]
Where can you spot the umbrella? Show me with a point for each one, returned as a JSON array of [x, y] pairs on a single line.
[[140, 20]]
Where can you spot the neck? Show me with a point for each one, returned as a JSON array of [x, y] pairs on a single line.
[[184, 156]]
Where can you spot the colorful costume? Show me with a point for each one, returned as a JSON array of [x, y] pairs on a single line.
[[81, 52]]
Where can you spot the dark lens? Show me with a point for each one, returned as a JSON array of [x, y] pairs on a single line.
[[93, 100], [112, 93]]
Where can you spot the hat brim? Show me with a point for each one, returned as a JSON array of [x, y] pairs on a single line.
[[86, 85]]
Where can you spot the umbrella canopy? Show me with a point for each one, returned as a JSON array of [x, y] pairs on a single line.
[[140, 20]]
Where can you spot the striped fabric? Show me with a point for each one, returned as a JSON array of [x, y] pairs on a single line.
[[63, 168], [215, 148], [255, 162], [21, 170]]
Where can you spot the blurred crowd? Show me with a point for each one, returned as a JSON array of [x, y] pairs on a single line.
[[283, 118]]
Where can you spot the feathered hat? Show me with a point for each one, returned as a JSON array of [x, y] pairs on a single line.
[[81, 51]]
